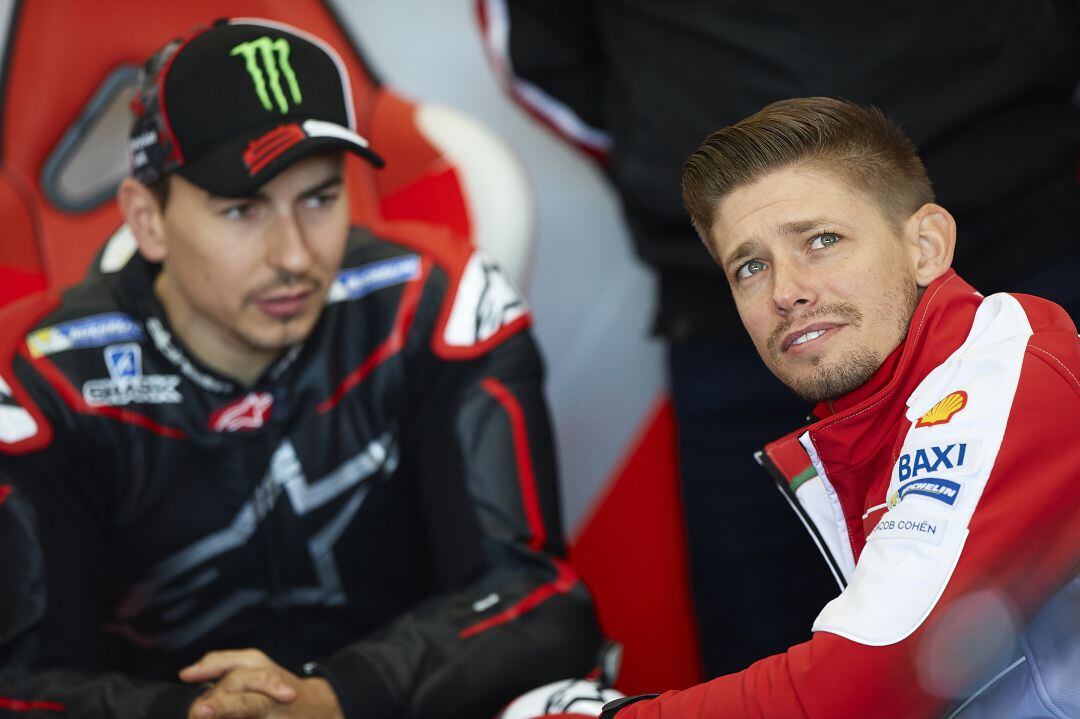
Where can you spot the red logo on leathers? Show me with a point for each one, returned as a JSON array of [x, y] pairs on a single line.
[[249, 412]]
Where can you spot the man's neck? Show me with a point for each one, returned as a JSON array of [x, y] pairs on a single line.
[[210, 343]]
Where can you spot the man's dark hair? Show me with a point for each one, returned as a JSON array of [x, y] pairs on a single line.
[[858, 144], [159, 188]]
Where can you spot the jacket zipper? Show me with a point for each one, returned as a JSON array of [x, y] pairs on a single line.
[[785, 490]]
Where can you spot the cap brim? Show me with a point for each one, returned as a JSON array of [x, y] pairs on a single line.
[[240, 167]]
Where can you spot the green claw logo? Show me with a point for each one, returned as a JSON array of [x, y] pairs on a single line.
[[276, 67]]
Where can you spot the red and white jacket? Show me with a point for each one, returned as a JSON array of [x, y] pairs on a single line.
[[946, 494]]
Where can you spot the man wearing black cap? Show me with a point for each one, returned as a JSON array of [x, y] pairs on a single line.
[[262, 464]]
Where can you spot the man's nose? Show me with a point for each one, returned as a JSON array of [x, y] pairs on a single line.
[[288, 248], [793, 288]]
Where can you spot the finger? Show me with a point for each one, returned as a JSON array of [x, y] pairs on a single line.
[[224, 705], [274, 682], [216, 664]]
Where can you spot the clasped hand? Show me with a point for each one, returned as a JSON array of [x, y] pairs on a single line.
[[250, 685]]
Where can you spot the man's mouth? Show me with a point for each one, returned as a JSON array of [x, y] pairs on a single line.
[[284, 306], [806, 338]]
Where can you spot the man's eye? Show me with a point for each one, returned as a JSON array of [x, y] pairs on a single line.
[[824, 240], [750, 268], [239, 212], [321, 200]]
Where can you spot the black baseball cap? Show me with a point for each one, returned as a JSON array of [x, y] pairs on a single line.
[[234, 104]]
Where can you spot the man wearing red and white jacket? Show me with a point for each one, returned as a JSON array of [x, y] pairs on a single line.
[[941, 476]]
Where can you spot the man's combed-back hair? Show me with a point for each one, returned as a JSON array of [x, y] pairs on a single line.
[[857, 144]]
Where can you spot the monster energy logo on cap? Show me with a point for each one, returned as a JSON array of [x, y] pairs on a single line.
[[226, 111], [277, 67]]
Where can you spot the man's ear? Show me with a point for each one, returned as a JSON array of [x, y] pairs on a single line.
[[931, 234], [144, 215]]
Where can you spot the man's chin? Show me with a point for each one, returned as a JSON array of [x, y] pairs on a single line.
[[281, 336], [828, 380]]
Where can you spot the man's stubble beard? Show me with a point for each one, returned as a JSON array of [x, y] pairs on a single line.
[[856, 365], [283, 332]]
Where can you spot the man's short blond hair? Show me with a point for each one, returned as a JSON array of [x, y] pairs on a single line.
[[857, 144]]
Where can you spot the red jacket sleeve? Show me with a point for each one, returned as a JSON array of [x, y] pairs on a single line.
[[1021, 549]]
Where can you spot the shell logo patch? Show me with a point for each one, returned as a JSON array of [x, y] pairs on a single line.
[[944, 410]]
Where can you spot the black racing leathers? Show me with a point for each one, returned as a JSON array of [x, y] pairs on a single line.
[[382, 501]]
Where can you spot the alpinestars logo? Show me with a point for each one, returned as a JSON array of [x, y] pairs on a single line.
[[486, 302], [249, 412], [275, 58], [173, 596]]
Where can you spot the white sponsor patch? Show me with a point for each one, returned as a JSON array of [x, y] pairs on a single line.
[[357, 282], [124, 360], [16, 424], [932, 470], [93, 331], [486, 301], [945, 458], [148, 389], [929, 529]]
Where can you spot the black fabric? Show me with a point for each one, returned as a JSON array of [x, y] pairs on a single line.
[[983, 88], [757, 579], [360, 532], [21, 601]]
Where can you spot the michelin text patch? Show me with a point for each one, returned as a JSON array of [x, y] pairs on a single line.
[[94, 331], [942, 490], [357, 282]]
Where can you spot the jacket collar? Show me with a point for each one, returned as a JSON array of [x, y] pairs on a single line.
[[858, 435], [135, 286], [938, 326]]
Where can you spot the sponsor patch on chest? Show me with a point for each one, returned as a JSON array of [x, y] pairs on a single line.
[[933, 470], [940, 489], [930, 530], [943, 411], [249, 412], [357, 282], [93, 331], [950, 458], [127, 384]]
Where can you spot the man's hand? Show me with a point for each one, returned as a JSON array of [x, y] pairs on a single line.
[[250, 685]]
